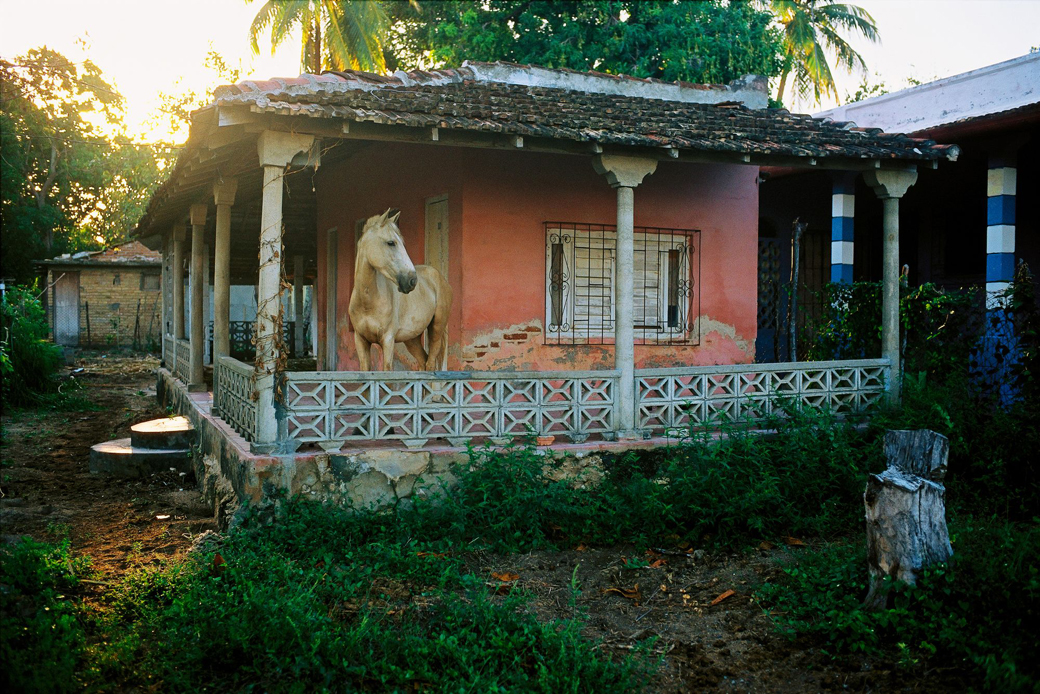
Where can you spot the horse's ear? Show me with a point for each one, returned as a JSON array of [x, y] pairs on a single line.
[[393, 214]]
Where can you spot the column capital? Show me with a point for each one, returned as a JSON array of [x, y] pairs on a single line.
[[224, 191], [890, 183], [624, 171], [198, 214], [277, 148]]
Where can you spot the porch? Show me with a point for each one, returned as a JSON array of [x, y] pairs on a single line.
[[334, 411]]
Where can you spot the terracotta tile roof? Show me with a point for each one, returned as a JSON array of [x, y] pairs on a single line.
[[461, 99]]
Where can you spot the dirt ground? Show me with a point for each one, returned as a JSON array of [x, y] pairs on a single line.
[[623, 594], [47, 491], [730, 646]]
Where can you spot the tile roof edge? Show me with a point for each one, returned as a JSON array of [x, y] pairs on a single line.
[[750, 90]]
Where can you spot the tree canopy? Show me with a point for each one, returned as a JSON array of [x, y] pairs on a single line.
[[711, 41], [67, 182]]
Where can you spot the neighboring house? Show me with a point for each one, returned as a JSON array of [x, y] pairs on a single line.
[[536, 192], [105, 298], [967, 224]]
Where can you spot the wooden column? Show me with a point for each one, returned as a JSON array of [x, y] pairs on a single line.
[[890, 186], [197, 381], [625, 173]]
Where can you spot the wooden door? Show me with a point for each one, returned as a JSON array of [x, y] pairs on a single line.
[[66, 309], [436, 252]]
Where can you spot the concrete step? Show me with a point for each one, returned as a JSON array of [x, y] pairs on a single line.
[[163, 434], [120, 458]]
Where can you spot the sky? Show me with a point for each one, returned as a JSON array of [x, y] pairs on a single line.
[[144, 47]]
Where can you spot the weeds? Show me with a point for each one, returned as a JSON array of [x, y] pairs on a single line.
[[977, 613]]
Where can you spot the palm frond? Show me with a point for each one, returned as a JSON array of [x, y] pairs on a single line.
[[354, 35]]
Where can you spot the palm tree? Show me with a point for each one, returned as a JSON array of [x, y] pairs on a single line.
[[337, 34], [810, 29]]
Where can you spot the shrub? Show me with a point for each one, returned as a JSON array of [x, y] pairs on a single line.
[[41, 638], [28, 362]]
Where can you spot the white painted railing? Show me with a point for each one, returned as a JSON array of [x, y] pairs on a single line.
[[675, 399], [337, 406], [183, 360], [234, 397]]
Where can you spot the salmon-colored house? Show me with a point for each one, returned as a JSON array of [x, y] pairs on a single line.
[[599, 233]]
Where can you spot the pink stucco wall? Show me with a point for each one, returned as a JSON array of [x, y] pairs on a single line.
[[498, 203]]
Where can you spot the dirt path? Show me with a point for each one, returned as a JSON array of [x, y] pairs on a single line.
[[47, 491]]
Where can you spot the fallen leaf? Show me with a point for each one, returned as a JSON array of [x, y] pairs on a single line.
[[727, 594], [217, 566], [505, 576], [658, 564], [794, 541], [431, 555], [632, 593], [765, 545], [580, 548]]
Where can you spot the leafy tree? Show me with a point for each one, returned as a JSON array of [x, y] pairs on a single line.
[[175, 108], [65, 184], [711, 41], [337, 34], [811, 29]]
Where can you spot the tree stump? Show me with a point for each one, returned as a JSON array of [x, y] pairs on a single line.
[[906, 511]]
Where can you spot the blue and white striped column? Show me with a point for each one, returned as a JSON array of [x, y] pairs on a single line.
[[843, 212], [1000, 229]]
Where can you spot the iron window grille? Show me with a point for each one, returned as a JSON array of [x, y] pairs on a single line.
[[579, 284]]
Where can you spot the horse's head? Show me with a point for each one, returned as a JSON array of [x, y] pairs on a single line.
[[382, 247]]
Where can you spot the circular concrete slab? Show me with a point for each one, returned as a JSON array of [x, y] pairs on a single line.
[[166, 433], [121, 459]]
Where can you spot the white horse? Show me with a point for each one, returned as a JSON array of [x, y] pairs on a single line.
[[396, 301]]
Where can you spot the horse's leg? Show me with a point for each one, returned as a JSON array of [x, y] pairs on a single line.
[[387, 345], [438, 330], [364, 352], [415, 348]]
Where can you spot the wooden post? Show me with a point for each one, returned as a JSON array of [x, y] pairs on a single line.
[[86, 309], [906, 511]]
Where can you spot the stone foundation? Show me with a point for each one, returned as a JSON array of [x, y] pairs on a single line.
[[375, 477]]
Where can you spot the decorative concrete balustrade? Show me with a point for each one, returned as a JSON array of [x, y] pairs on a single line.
[[333, 407], [676, 399], [330, 408], [182, 360], [234, 397]]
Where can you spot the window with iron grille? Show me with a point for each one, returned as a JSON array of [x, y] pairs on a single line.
[[579, 284]]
